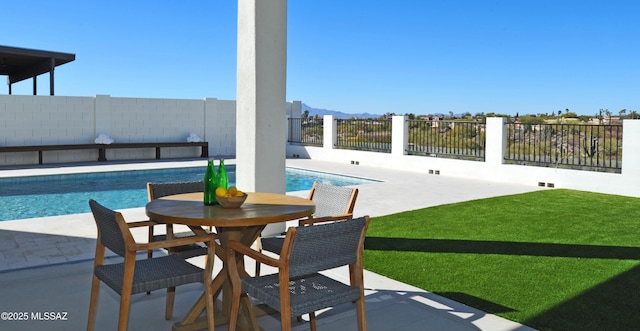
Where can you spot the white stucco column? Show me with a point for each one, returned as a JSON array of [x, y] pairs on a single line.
[[261, 94], [330, 132], [631, 151], [496, 141], [399, 135], [294, 109]]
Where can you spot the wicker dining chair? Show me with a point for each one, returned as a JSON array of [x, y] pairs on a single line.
[[306, 251], [136, 276], [333, 203], [159, 190]]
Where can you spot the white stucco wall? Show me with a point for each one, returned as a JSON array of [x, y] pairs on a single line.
[[492, 169], [38, 120], [153, 120], [52, 120]]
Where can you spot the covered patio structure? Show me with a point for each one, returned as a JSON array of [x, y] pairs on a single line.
[[24, 63]]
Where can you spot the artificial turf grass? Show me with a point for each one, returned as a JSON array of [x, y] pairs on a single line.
[[533, 258]]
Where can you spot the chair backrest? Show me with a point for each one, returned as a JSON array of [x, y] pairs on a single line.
[[332, 200], [159, 190], [111, 228], [326, 246]]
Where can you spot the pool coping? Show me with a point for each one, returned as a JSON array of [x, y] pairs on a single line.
[[79, 168]]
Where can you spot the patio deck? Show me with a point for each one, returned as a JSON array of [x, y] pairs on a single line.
[[45, 263]]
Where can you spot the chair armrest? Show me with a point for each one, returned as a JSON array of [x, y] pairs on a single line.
[[139, 224], [247, 251], [310, 221], [209, 239]]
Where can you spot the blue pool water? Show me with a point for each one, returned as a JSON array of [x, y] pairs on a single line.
[[40, 196]]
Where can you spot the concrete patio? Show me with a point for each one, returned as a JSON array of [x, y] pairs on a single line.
[[45, 263]]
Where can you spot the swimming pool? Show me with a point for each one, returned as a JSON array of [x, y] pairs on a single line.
[[23, 197]]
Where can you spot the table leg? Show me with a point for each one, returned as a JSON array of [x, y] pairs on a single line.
[[247, 318]]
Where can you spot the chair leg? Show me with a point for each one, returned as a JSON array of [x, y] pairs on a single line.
[[259, 249], [312, 321], [285, 302], [362, 318], [125, 303], [127, 285], [150, 251], [357, 280], [171, 291], [171, 298], [93, 303], [285, 319], [150, 239]]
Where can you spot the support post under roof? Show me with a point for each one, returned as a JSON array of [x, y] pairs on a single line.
[[261, 94], [24, 63]]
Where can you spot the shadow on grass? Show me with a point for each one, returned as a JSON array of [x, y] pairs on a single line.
[[501, 247], [610, 305]]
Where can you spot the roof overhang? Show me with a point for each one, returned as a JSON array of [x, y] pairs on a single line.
[[23, 63]]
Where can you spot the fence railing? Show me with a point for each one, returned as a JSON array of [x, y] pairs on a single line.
[[306, 131], [571, 146], [462, 140], [364, 134]]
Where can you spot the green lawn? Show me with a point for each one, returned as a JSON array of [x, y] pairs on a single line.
[[551, 259]]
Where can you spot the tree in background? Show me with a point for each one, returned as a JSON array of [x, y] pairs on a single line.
[[622, 113], [599, 116]]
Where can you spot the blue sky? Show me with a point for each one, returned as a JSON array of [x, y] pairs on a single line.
[[411, 56]]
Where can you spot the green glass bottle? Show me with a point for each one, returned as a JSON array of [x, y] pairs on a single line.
[[223, 181], [210, 184]]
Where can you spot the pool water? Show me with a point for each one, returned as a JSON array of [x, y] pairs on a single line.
[[40, 196]]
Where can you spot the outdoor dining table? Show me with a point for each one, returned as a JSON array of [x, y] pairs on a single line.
[[242, 224]]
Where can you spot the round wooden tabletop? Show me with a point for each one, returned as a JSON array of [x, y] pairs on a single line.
[[259, 209]]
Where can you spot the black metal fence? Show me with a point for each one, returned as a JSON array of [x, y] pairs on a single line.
[[452, 139], [570, 146], [364, 134], [306, 131]]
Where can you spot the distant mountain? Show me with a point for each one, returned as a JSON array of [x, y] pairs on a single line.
[[321, 112]]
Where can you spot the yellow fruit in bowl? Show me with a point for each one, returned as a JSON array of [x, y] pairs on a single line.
[[221, 191], [232, 190], [231, 201]]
